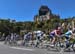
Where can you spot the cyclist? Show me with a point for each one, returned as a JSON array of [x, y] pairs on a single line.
[[68, 36], [55, 33]]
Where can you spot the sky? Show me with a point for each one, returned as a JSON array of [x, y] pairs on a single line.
[[24, 10]]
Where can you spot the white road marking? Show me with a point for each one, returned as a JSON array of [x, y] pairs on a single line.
[[19, 48]]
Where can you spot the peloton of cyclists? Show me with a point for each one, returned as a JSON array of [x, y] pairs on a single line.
[[57, 33]]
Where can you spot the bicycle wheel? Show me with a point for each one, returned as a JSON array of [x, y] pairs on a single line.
[[73, 47], [57, 46]]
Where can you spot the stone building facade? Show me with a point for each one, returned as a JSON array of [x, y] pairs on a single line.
[[45, 14]]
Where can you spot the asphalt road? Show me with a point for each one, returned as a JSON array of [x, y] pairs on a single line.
[[4, 49]]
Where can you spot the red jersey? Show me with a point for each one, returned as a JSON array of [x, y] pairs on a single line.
[[58, 32]]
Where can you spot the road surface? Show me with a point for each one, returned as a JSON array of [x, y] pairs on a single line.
[[4, 49]]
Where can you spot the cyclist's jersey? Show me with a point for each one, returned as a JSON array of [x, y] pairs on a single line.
[[39, 34], [58, 32], [53, 33], [27, 36], [68, 33]]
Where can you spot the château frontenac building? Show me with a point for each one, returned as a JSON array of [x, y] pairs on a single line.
[[44, 14]]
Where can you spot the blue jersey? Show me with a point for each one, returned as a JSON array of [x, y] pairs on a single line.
[[68, 33]]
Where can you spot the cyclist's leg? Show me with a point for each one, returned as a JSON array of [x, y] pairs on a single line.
[[53, 40], [67, 42]]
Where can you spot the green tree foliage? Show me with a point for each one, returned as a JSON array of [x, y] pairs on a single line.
[[6, 26]]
